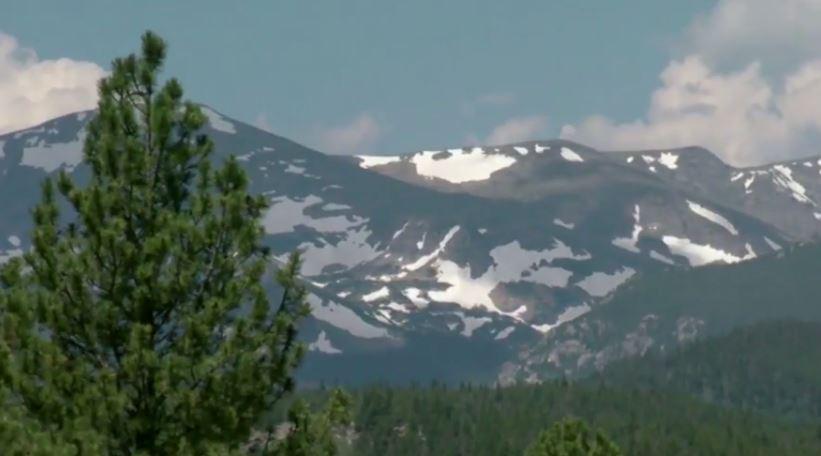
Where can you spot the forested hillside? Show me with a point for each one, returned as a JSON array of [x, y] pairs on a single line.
[[435, 420], [772, 367], [660, 310]]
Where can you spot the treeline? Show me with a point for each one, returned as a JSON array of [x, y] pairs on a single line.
[[484, 420]]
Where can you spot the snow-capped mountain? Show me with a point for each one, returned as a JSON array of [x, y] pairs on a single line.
[[443, 263]]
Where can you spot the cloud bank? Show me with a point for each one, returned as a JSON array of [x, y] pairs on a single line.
[[718, 95], [518, 129], [33, 90], [355, 137]]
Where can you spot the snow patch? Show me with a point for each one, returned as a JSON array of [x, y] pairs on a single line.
[[421, 243], [335, 207], [425, 259], [564, 224], [461, 165], [782, 175], [701, 254], [324, 345], [381, 293], [601, 284], [712, 216], [415, 296], [569, 314], [503, 334], [511, 262], [471, 324], [217, 121], [668, 159], [570, 155], [772, 244], [659, 257], [285, 214], [369, 161], [351, 250], [401, 230], [398, 307], [631, 243], [344, 319], [521, 150], [293, 169], [50, 157]]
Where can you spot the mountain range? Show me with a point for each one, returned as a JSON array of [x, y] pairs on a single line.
[[476, 263]]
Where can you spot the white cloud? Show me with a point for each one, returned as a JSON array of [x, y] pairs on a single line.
[[356, 137], [780, 33], [738, 113], [33, 90], [517, 129]]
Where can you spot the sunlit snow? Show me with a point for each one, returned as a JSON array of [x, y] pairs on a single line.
[[323, 344], [701, 254], [415, 296], [461, 165], [381, 293], [511, 262], [369, 161], [570, 155], [712, 216], [782, 176], [668, 159], [425, 259]]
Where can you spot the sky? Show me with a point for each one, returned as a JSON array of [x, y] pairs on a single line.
[[741, 77]]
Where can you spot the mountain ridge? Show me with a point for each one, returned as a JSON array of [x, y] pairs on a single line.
[[391, 263]]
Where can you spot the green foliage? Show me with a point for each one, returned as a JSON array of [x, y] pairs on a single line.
[[313, 434], [502, 421], [768, 367], [138, 322], [572, 437]]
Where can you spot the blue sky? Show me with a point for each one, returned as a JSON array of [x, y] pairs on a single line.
[[360, 76]]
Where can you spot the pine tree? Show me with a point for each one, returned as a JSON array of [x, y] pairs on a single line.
[[311, 434], [572, 437], [138, 322]]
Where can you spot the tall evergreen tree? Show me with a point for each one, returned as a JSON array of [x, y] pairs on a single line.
[[572, 437], [138, 322]]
